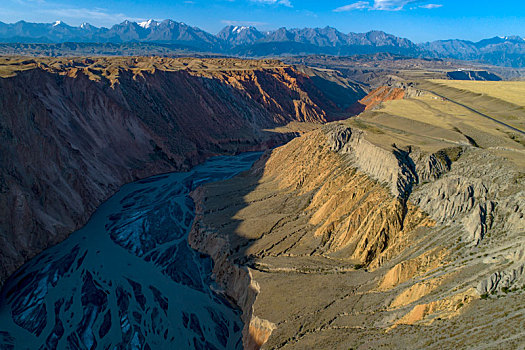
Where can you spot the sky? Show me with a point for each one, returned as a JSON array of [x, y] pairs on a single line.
[[417, 20]]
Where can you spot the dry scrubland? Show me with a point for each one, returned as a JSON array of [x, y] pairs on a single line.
[[402, 228]]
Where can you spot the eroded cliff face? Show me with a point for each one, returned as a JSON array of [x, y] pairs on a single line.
[[378, 96], [338, 240], [74, 130]]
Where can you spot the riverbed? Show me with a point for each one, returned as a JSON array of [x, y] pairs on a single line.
[[128, 279]]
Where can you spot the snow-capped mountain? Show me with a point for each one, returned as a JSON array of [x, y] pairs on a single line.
[[148, 24], [248, 41], [240, 35], [504, 50]]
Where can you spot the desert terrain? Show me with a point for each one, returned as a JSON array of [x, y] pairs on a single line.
[[400, 228], [387, 210]]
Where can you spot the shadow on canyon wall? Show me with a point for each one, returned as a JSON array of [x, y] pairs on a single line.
[[228, 249], [69, 142]]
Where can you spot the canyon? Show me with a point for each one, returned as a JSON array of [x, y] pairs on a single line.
[[128, 278], [394, 229], [74, 130], [384, 210]]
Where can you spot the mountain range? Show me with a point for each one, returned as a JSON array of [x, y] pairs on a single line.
[[248, 41]]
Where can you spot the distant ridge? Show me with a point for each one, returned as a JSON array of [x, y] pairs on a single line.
[[502, 51], [249, 42]]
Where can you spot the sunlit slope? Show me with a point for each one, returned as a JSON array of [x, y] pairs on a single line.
[[398, 229], [432, 123], [502, 101], [341, 243], [510, 91]]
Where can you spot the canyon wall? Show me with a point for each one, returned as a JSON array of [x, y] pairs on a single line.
[[339, 239], [74, 130]]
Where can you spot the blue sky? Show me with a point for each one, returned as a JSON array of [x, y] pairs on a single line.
[[418, 20]]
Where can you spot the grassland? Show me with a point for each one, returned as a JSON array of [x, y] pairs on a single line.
[[510, 91], [432, 123], [486, 104]]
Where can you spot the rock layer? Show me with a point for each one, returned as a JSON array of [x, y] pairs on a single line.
[[376, 97], [342, 239], [74, 130]]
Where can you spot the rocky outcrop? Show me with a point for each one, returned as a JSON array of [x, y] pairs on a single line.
[[393, 168], [453, 197], [347, 215], [74, 130], [345, 236], [472, 195], [236, 280], [376, 97], [502, 280], [400, 169]]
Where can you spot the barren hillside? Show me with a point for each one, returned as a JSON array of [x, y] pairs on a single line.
[[74, 130], [402, 228]]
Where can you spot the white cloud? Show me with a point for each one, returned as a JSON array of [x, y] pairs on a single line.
[[431, 6], [391, 5], [286, 3], [355, 6], [383, 5], [96, 15]]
